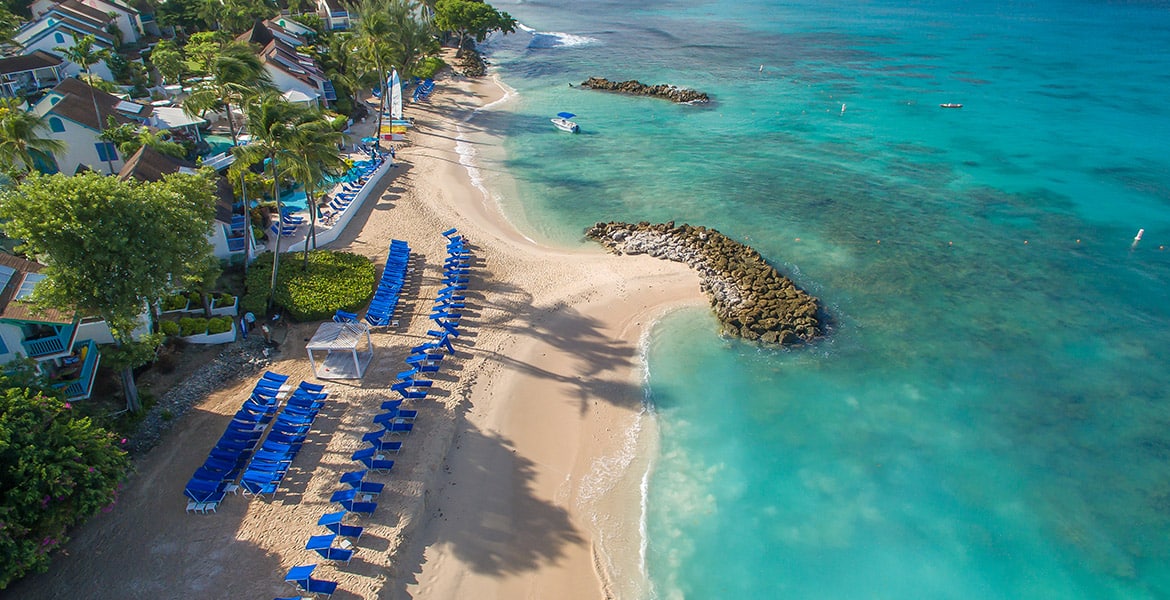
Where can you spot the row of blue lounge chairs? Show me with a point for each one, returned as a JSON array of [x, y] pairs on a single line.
[[381, 310], [348, 191], [285, 437], [357, 495], [226, 460], [423, 91]]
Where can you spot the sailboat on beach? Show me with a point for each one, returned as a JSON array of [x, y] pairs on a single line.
[[393, 125]]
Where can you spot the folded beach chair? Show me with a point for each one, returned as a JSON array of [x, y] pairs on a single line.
[[342, 316], [323, 545], [333, 522], [360, 508], [372, 460], [284, 231], [382, 446]]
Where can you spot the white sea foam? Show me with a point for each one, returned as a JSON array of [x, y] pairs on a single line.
[[466, 150], [559, 39]]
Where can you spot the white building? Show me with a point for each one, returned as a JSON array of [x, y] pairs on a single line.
[[69, 110], [62, 25], [290, 70]]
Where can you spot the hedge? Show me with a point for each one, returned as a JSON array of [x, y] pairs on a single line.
[[333, 281], [175, 302], [219, 325], [169, 328], [192, 326]]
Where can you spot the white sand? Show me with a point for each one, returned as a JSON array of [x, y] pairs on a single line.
[[517, 481]]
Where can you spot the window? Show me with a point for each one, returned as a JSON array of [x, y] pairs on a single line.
[[106, 151], [59, 38], [3, 346], [56, 125]]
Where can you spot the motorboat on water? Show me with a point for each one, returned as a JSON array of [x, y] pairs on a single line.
[[950, 105], [562, 122]]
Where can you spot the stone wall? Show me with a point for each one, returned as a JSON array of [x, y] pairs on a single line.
[[750, 298]]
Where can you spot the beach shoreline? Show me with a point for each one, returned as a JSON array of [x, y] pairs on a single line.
[[518, 481]]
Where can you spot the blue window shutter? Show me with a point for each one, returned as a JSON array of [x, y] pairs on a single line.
[[106, 151], [3, 346], [56, 125], [60, 38]]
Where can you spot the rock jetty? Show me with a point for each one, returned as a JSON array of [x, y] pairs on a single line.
[[749, 297], [637, 88]]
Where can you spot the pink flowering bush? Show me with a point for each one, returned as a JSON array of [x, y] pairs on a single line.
[[55, 471]]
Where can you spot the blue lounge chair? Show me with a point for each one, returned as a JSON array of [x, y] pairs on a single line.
[[372, 460], [360, 508], [342, 316], [333, 522], [323, 545]]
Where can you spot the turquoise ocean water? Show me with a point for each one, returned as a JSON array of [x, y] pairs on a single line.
[[988, 416]]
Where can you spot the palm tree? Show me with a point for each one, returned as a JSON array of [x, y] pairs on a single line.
[[20, 138], [272, 122], [236, 75], [84, 55], [415, 35], [312, 153], [373, 46]]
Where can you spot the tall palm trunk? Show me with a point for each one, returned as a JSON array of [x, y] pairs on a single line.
[[98, 112], [279, 229], [312, 225], [381, 109]]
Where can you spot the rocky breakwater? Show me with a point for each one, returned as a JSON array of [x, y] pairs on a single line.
[[749, 297], [637, 88]]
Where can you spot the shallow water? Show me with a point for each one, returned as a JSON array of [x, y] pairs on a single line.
[[986, 418]]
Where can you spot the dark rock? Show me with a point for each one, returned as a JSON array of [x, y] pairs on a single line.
[[637, 88], [750, 299]]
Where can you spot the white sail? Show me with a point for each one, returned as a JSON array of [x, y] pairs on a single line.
[[395, 96]]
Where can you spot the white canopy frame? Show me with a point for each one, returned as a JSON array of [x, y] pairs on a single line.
[[347, 349]]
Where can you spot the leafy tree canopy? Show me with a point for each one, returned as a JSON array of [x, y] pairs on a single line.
[[55, 470], [471, 18], [110, 247]]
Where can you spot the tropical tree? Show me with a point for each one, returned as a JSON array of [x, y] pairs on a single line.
[[312, 154], [238, 16], [84, 54], [20, 137], [236, 75], [56, 469], [471, 19], [373, 47], [414, 35], [273, 123], [9, 25], [184, 15], [167, 58], [129, 137], [110, 247], [391, 34]]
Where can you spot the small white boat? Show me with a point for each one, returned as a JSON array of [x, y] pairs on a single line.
[[950, 105], [563, 123]]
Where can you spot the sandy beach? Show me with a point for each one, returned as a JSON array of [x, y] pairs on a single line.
[[521, 477]]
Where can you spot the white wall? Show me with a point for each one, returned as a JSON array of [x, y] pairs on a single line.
[[325, 236], [80, 149]]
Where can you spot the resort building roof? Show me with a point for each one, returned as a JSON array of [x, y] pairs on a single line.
[[71, 99], [17, 278], [38, 59], [149, 164]]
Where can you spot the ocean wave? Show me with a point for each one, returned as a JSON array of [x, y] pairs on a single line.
[[557, 39]]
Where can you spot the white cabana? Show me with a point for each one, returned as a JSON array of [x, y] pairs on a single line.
[[347, 350]]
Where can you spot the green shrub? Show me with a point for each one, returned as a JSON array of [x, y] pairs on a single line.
[[224, 299], [175, 302], [219, 325], [192, 326], [59, 468], [195, 300], [169, 328], [428, 67], [334, 280]]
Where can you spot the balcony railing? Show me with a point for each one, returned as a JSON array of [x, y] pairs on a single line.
[[48, 346], [82, 385]]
